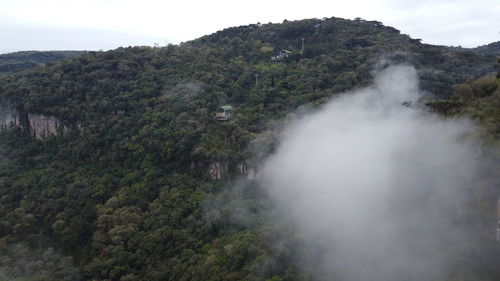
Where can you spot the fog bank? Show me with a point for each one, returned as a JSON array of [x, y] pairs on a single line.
[[373, 184]]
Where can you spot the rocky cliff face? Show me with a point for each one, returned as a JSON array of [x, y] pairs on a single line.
[[218, 169], [40, 126], [247, 170], [9, 117]]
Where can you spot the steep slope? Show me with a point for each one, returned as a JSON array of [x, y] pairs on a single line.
[[134, 178]]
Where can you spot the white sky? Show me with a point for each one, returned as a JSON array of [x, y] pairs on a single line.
[[108, 24]]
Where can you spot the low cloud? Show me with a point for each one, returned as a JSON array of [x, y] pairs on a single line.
[[372, 183]]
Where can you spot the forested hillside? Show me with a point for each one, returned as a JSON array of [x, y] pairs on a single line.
[[489, 49], [113, 167], [19, 61]]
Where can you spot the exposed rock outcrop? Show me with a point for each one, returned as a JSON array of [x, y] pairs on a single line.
[[38, 125], [247, 170], [41, 126], [217, 170], [9, 117]]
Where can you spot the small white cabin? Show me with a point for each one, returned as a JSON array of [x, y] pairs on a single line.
[[281, 55], [224, 113]]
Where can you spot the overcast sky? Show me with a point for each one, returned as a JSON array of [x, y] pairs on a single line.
[[108, 24]]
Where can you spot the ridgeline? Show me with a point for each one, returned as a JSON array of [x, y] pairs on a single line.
[[24, 60]]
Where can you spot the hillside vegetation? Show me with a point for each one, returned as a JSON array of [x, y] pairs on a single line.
[[489, 49], [19, 61], [143, 186]]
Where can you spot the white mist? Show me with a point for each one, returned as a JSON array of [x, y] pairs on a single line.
[[371, 184]]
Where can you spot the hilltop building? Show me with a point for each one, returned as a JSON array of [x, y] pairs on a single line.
[[281, 55], [224, 113]]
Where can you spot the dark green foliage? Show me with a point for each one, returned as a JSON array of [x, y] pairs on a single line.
[[20, 263], [19, 61], [128, 194], [479, 99], [351, 46], [489, 49]]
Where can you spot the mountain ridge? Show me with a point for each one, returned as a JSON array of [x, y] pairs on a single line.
[[129, 195], [18, 61]]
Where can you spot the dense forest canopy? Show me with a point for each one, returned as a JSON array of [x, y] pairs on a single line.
[[489, 49], [19, 61], [133, 179]]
